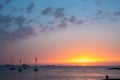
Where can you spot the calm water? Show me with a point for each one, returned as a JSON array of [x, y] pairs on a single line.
[[59, 73]]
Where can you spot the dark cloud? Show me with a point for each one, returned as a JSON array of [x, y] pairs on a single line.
[[117, 13], [47, 11], [6, 19], [4, 35], [20, 33], [99, 13], [24, 32], [45, 28], [73, 19], [79, 22], [59, 13], [102, 15], [20, 20], [63, 23], [40, 25], [30, 20], [1, 7], [14, 9], [30, 7], [8, 1]]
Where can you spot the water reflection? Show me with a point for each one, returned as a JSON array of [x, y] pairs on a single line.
[[19, 76], [35, 75], [59, 73]]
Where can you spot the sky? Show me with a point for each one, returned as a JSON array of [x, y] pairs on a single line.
[[77, 32]]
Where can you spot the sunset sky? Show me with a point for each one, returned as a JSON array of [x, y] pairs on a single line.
[[78, 32]]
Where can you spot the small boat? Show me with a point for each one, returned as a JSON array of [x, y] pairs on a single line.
[[20, 67], [24, 65], [107, 78], [12, 67], [36, 69]]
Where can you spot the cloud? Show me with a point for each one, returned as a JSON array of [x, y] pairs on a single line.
[[73, 19], [6, 19], [98, 2], [20, 20], [63, 23], [99, 13], [24, 32], [30, 7], [10, 32], [117, 13], [14, 9], [30, 20], [79, 22], [59, 13], [4, 35], [20, 33], [8, 1], [1, 7], [47, 11], [45, 28]]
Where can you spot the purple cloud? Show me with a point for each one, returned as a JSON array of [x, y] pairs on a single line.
[[73, 19], [6, 19], [63, 23], [79, 22], [59, 13], [20, 20], [47, 11], [20, 33], [117, 13], [24, 32], [30, 7]]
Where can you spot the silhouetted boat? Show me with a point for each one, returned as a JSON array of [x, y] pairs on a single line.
[[20, 67], [112, 79], [35, 69], [114, 68], [107, 78], [12, 67], [24, 65]]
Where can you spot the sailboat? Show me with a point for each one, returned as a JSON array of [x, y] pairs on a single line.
[[12, 67], [24, 65], [20, 67], [36, 69]]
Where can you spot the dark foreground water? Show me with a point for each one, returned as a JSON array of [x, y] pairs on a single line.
[[59, 73]]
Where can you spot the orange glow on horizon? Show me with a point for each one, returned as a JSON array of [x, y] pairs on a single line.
[[84, 60]]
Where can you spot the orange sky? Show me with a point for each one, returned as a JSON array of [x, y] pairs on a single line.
[[76, 32]]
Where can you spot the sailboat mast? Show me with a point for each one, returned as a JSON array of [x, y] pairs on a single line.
[[36, 65], [36, 62], [20, 66]]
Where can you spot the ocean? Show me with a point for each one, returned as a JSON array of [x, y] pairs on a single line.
[[59, 73]]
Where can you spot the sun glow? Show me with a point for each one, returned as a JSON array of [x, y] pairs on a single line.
[[84, 61]]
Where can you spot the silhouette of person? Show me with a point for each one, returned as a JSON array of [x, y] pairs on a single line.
[[106, 76]]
